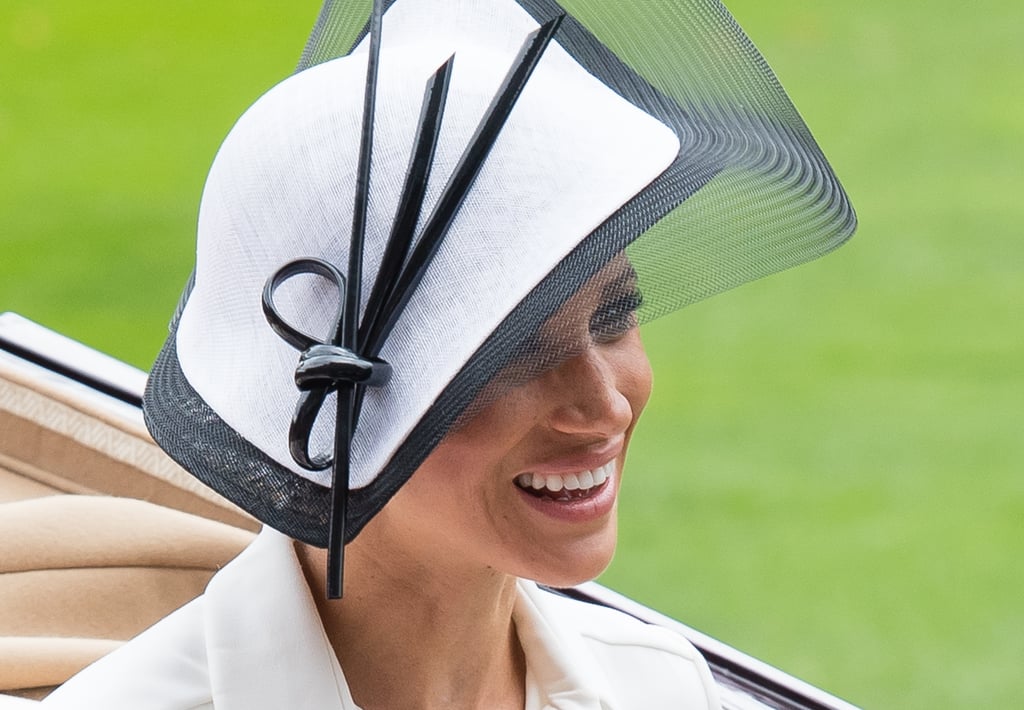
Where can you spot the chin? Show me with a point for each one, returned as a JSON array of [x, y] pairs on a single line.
[[581, 562]]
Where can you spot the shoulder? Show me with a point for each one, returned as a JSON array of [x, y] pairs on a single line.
[[639, 660], [605, 626]]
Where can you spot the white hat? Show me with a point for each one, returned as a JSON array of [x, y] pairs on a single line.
[[652, 129]]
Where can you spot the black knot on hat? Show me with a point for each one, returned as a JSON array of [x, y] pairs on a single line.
[[653, 133]]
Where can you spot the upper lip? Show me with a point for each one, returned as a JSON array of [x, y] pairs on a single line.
[[592, 457]]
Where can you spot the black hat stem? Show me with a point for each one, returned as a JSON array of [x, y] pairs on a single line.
[[348, 362], [461, 181], [340, 477], [410, 204]]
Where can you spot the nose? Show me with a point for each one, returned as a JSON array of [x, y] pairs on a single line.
[[587, 398]]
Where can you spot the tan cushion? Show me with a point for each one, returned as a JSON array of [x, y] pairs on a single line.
[[45, 662], [80, 574], [56, 436]]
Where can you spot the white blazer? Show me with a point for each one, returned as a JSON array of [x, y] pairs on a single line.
[[254, 641]]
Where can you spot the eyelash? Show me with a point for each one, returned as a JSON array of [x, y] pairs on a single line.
[[616, 317], [609, 322]]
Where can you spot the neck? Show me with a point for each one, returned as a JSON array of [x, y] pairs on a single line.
[[411, 634]]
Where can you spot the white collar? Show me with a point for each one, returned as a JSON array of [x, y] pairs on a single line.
[[267, 647], [560, 669]]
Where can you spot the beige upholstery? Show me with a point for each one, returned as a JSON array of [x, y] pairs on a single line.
[[80, 574], [60, 436], [101, 535]]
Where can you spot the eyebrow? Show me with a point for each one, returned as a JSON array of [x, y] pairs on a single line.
[[627, 278]]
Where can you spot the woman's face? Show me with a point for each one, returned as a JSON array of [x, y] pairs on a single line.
[[529, 485]]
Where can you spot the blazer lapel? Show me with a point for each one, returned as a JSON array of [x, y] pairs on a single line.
[[265, 643], [565, 672]]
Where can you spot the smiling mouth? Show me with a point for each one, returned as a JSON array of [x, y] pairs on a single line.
[[566, 487]]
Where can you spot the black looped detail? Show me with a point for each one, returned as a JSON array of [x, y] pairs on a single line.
[[323, 366], [347, 362]]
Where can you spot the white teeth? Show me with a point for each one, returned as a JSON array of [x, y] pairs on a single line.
[[531, 480], [584, 480]]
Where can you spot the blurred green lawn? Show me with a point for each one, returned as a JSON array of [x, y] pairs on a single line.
[[828, 475]]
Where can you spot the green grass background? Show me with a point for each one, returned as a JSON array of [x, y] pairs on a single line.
[[828, 476]]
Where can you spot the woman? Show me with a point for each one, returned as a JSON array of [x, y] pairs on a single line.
[[456, 227]]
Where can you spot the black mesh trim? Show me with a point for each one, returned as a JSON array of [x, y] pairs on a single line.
[[192, 433]]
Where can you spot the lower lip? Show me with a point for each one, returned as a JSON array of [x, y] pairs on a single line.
[[581, 510]]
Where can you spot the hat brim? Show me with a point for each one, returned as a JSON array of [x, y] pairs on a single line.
[[774, 203]]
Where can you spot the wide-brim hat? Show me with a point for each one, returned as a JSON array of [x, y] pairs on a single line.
[[650, 132]]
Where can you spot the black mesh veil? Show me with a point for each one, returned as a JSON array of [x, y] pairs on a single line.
[[746, 193]]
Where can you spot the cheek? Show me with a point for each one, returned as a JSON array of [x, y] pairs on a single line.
[[496, 427], [435, 496], [644, 385], [442, 474], [462, 465]]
